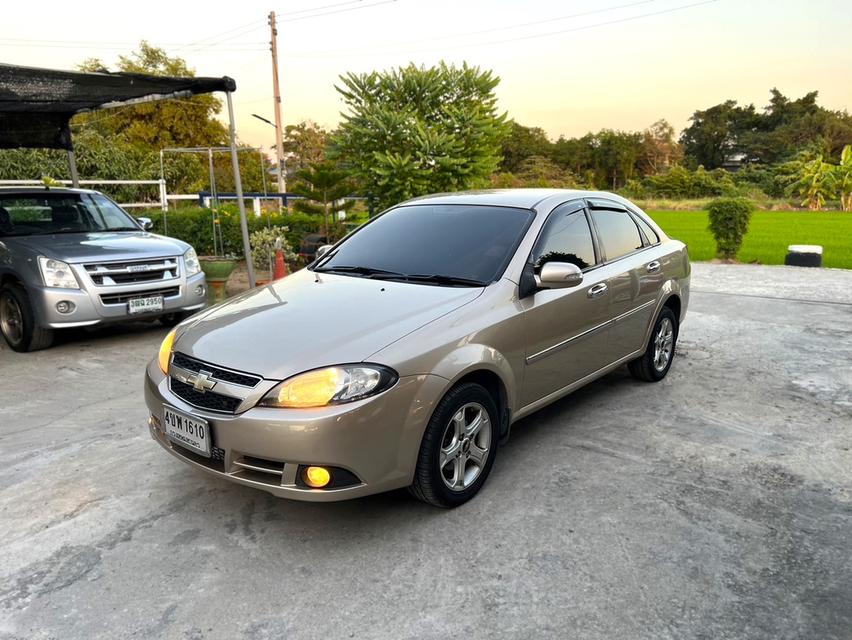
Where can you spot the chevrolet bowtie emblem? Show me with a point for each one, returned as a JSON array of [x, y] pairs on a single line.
[[201, 381]]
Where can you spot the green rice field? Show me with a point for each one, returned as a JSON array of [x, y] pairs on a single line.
[[769, 234]]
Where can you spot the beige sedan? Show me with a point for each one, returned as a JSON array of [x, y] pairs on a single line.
[[402, 356]]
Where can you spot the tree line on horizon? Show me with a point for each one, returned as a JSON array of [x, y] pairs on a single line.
[[416, 130]]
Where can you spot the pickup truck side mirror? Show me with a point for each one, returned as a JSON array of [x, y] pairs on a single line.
[[146, 223], [559, 275], [322, 250]]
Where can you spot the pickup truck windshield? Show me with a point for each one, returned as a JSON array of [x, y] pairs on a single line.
[[444, 245], [26, 214]]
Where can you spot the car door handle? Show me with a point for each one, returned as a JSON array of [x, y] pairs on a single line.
[[653, 266], [597, 290]]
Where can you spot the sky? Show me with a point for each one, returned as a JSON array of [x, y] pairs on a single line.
[[568, 66]]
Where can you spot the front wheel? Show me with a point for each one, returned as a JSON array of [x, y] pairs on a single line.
[[654, 364], [458, 448], [17, 321]]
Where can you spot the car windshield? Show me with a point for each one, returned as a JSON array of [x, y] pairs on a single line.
[[26, 214], [449, 245]]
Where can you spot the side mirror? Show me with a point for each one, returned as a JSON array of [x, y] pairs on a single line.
[[559, 275], [322, 250], [146, 223]]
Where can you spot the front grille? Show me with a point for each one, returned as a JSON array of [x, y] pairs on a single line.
[[133, 271], [217, 373], [208, 400], [259, 469], [121, 298]]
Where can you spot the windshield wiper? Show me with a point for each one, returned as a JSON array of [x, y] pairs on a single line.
[[442, 279], [362, 271], [122, 229]]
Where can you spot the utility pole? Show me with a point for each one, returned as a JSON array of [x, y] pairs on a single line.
[[279, 129]]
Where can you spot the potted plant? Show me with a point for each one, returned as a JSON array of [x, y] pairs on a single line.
[[265, 244]]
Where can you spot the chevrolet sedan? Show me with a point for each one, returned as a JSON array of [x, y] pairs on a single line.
[[404, 353]]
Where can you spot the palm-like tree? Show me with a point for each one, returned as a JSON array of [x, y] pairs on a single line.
[[843, 178], [815, 183], [323, 185]]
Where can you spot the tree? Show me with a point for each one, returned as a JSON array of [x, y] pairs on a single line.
[[304, 144], [536, 171], [187, 122], [416, 130], [523, 143], [843, 178], [659, 150], [323, 186], [615, 154], [714, 135], [815, 183]]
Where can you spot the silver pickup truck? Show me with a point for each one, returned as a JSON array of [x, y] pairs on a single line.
[[74, 258]]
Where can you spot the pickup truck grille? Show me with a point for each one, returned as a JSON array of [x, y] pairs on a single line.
[[121, 298], [133, 272]]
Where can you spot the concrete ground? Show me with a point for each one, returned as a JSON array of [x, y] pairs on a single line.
[[716, 504]]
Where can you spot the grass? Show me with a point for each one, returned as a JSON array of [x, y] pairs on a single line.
[[769, 234]]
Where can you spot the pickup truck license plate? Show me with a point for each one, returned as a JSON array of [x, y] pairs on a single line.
[[187, 431], [145, 305]]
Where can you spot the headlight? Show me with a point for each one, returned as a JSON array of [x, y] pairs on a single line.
[[166, 351], [333, 385], [56, 273], [190, 260]]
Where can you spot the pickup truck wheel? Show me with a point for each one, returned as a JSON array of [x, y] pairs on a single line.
[[458, 448], [654, 364], [17, 321]]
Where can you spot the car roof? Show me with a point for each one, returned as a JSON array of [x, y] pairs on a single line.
[[522, 198], [5, 191]]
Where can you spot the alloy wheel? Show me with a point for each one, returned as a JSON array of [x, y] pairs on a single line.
[[465, 445], [11, 319], [663, 344]]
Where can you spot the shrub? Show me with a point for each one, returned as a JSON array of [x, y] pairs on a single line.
[[729, 218], [264, 246], [195, 226]]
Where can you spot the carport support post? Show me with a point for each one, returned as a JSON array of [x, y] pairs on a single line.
[[238, 187], [72, 168]]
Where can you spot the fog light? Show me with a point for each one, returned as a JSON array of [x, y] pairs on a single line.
[[199, 290], [65, 306], [154, 422], [316, 477]]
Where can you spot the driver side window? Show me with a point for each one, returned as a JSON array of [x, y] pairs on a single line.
[[566, 238]]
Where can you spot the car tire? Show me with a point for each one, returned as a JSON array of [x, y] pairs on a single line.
[[172, 319], [18, 323], [463, 433], [654, 364]]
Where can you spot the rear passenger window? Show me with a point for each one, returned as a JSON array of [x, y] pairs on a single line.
[[649, 232], [617, 232], [566, 238]]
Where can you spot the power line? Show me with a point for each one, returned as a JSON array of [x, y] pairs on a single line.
[[506, 40], [495, 29], [320, 8], [330, 13]]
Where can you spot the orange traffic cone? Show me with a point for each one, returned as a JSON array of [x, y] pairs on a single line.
[[280, 265]]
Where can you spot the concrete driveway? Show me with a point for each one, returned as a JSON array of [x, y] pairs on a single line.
[[716, 504]]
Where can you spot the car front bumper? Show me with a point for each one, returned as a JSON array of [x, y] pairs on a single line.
[[184, 295], [376, 439]]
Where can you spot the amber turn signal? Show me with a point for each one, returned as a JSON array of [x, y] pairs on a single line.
[[165, 354], [316, 477]]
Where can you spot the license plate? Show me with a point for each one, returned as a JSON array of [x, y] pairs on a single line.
[[187, 431], [145, 305]]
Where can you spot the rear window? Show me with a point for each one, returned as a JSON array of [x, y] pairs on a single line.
[[461, 241]]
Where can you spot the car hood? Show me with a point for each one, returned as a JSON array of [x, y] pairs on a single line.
[[98, 247], [311, 320]]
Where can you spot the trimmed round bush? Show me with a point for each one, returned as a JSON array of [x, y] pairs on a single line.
[[729, 218]]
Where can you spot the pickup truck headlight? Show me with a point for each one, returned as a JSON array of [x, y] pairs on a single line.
[[190, 261], [56, 273], [332, 385]]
